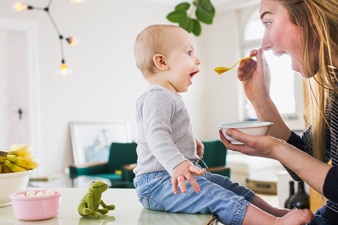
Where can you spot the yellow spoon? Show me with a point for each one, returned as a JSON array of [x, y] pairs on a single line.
[[221, 70]]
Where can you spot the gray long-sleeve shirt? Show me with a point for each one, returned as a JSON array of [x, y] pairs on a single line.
[[165, 137]]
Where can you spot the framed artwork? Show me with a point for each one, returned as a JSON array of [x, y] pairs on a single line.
[[91, 140]]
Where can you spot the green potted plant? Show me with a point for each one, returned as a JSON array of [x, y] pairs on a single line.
[[189, 16]]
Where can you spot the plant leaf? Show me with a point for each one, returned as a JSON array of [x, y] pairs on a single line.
[[187, 24], [184, 6], [196, 29], [176, 16], [205, 5], [204, 16], [204, 12]]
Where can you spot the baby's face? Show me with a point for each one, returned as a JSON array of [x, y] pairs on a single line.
[[181, 59]]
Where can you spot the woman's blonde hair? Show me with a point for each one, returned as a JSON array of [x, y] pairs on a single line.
[[151, 41], [319, 20]]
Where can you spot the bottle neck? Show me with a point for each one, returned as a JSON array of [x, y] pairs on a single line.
[[301, 187], [291, 187]]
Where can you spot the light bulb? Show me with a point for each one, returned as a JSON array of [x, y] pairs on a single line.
[[64, 71], [72, 41], [18, 6], [76, 1]]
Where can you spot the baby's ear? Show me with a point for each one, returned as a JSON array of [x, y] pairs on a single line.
[[160, 62]]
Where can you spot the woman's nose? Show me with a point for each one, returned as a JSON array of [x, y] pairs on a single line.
[[266, 43]]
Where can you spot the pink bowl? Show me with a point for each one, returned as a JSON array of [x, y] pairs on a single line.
[[35, 207]]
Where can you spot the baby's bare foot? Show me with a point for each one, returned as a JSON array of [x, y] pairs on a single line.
[[295, 217]]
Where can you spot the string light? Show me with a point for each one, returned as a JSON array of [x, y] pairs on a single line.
[[63, 69], [76, 1]]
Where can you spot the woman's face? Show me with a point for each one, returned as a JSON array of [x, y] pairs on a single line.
[[281, 35]]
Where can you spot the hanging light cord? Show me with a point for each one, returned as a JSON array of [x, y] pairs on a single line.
[[64, 70]]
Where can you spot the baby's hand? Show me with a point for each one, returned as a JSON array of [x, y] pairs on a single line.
[[183, 172]]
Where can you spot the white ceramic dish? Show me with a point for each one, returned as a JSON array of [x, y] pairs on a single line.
[[12, 182], [248, 127]]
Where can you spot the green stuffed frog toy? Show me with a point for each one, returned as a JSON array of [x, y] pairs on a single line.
[[90, 202]]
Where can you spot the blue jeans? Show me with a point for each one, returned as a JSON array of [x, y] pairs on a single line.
[[218, 196], [319, 219]]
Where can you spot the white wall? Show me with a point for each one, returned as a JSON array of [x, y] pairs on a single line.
[[105, 82]]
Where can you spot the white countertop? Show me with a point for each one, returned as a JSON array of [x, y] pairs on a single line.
[[128, 211]]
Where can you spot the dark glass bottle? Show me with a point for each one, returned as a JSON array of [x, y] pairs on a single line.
[[287, 203], [301, 199]]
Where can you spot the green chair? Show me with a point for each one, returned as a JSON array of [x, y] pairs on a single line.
[[215, 157], [117, 170]]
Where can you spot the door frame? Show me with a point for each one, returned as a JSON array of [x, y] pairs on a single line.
[[30, 30]]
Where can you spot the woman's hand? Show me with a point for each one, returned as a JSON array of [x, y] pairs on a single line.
[[255, 77], [185, 171], [296, 160], [264, 146]]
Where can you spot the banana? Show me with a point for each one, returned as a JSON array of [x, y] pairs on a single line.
[[5, 168], [25, 162], [14, 167], [2, 158], [17, 159], [20, 150]]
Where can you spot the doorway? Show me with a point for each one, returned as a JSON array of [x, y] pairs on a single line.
[[19, 108]]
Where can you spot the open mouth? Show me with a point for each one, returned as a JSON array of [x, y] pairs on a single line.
[[194, 73]]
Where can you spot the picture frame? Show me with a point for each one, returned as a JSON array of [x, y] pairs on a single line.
[[91, 140]]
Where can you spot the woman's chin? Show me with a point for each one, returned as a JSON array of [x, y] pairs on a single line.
[[297, 69]]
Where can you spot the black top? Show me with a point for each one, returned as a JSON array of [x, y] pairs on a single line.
[[330, 189]]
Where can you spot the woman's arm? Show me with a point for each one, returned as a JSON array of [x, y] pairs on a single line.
[[309, 169], [255, 78]]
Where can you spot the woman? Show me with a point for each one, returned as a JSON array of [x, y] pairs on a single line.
[[307, 31]]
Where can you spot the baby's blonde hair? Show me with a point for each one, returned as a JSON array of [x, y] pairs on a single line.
[[151, 41]]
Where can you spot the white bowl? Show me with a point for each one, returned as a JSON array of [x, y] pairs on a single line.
[[248, 127], [12, 182]]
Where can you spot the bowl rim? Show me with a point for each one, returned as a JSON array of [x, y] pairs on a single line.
[[15, 195], [15, 174], [245, 124]]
